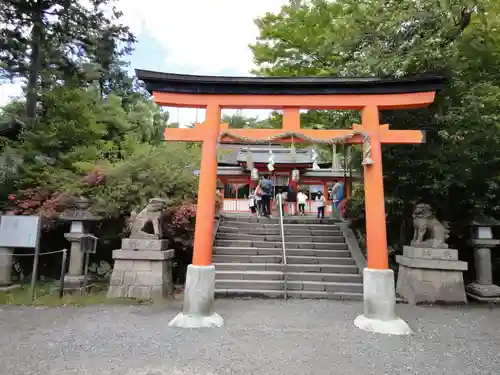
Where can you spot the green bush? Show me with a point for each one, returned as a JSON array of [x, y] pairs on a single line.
[[164, 171]]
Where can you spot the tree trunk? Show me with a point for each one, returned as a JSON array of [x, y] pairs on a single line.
[[35, 63]]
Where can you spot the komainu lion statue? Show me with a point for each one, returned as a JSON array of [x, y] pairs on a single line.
[[147, 223], [428, 231]]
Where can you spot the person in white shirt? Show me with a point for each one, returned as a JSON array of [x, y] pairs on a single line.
[[301, 200], [320, 204], [251, 203]]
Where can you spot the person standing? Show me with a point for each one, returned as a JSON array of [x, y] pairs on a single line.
[[251, 203], [337, 196], [280, 202], [291, 199], [267, 189], [302, 200], [258, 200], [320, 204]]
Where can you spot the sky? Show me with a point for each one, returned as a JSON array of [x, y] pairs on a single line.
[[190, 37]]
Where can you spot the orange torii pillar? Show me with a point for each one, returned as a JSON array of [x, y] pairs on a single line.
[[200, 277], [366, 95]]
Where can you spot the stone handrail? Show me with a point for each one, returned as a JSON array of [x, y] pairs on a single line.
[[217, 220], [353, 246]]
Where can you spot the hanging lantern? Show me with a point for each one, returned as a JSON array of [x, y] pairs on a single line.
[[295, 175], [271, 157], [270, 165], [249, 161], [335, 164], [254, 175], [293, 152], [314, 159]]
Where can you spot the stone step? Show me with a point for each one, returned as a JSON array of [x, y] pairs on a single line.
[[277, 231], [277, 267], [247, 259], [248, 275], [276, 220], [291, 276], [337, 253], [317, 286], [340, 296], [318, 260], [303, 294], [329, 277], [278, 259], [310, 226], [269, 244], [277, 238]]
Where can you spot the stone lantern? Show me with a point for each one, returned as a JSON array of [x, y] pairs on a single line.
[[81, 219], [482, 240]]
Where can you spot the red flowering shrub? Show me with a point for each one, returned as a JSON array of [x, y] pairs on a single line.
[[179, 225], [342, 208], [37, 200], [218, 202], [178, 228], [95, 177]]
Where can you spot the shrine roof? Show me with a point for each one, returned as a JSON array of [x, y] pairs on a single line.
[[281, 156], [324, 173], [195, 84], [237, 155]]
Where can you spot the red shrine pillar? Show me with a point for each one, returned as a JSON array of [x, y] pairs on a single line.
[[197, 310]]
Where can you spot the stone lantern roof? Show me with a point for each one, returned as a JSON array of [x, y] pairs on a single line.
[[484, 221], [79, 211]]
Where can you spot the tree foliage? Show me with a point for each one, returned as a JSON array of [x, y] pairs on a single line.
[[78, 130], [49, 42], [84, 126], [457, 169], [165, 171]]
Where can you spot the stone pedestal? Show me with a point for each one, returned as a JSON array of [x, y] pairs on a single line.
[[80, 217], [142, 270], [380, 304], [431, 275], [5, 267], [74, 279], [483, 289], [198, 308]]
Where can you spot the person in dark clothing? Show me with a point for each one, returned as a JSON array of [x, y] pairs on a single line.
[[320, 204], [291, 198], [267, 191]]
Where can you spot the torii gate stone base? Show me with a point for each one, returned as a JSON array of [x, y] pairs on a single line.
[[368, 95]]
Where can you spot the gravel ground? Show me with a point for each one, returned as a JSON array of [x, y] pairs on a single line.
[[260, 337]]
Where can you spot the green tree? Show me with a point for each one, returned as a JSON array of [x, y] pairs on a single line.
[[78, 130], [456, 170], [45, 42], [239, 121]]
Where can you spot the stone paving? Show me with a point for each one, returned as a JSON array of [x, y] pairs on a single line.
[[260, 337]]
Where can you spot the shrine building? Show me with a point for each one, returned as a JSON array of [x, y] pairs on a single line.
[[237, 161]]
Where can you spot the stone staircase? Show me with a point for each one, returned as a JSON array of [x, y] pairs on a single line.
[[248, 259]]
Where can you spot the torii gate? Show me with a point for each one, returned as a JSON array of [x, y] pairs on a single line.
[[368, 95]]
